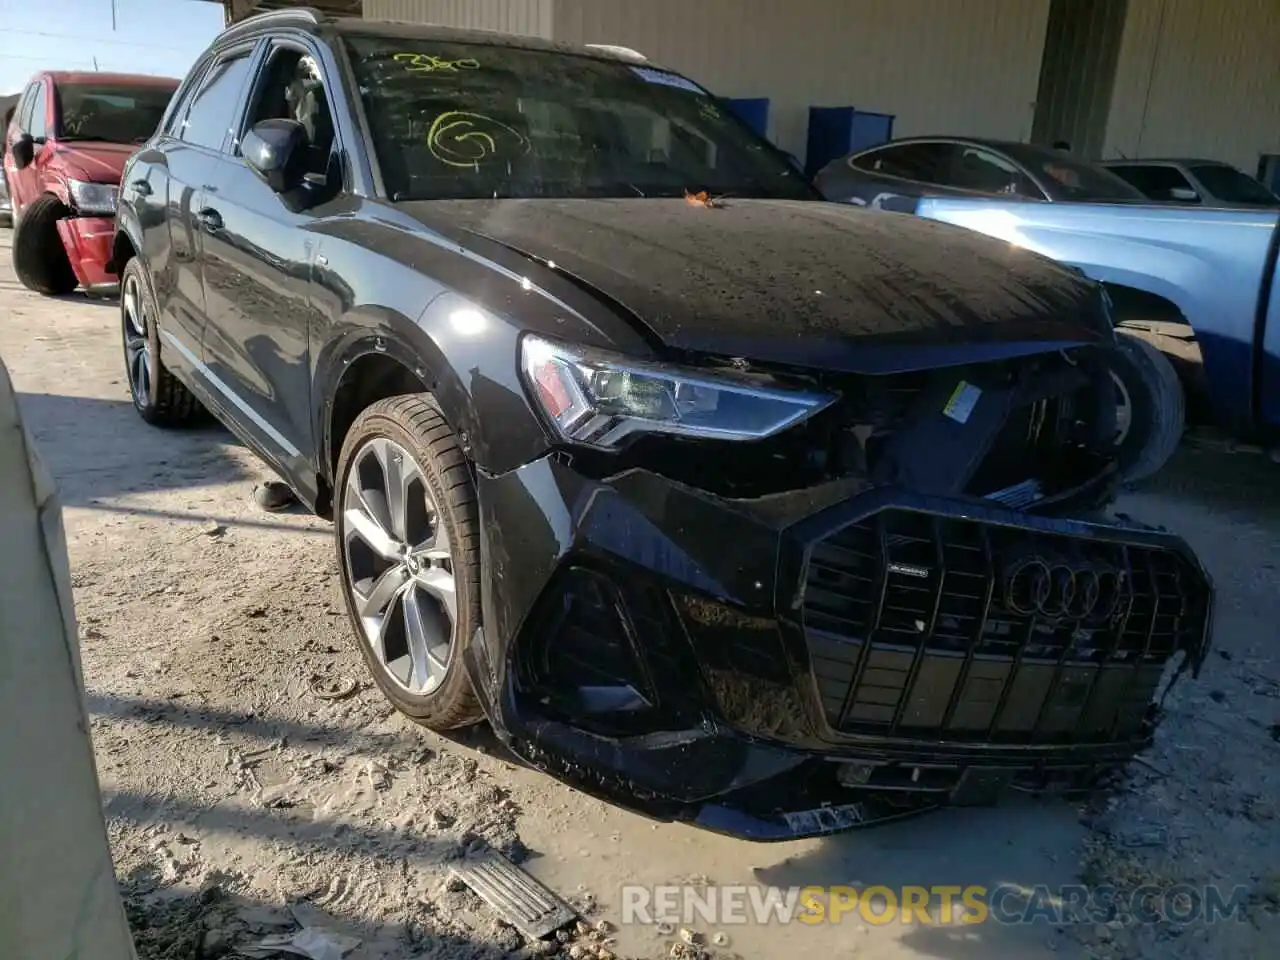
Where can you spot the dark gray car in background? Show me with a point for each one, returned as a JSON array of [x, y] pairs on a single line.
[[1209, 183], [902, 170]]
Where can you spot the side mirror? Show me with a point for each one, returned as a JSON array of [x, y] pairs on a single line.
[[24, 151], [273, 150], [1183, 195]]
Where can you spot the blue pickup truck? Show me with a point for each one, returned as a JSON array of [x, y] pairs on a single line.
[[1197, 285]]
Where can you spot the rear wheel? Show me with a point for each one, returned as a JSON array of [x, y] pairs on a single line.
[[39, 258], [408, 547], [158, 396], [1152, 408]]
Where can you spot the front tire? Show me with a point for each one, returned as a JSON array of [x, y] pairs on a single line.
[[1157, 410], [39, 258], [407, 535], [158, 396]]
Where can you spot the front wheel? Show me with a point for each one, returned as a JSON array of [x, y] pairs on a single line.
[[1152, 410], [158, 396], [39, 258], [408, 547]]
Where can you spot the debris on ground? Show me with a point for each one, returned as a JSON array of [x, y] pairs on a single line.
[[514, 894], [312, 942], [333, 688]]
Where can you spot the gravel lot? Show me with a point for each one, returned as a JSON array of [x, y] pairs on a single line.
[[234, 788]]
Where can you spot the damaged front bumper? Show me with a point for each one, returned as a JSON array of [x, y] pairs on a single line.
[[88, 241], [808, 662]]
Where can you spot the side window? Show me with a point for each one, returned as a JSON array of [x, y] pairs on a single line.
[[176, 112], [1157, 182], [39, 113], [292, 88], [868, 161], [22, 113], [982, 171], [910, 161], [213, 108], [24, 109]]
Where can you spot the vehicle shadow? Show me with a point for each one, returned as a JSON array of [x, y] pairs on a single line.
[[96, 448], [1015, 847], [1210, 475], [246, 724], [177, 898], [98, 297]]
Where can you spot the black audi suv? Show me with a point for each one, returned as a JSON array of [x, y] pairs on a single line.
[[719, 501]]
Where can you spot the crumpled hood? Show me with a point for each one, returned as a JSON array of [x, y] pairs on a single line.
[[788, 281], [95, 161]]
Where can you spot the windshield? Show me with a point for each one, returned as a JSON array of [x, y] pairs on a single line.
[[118, 113], [460, 120], [1231, 186], [1067, 178]]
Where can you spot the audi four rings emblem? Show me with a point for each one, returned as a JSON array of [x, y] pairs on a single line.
[[1056, 589]]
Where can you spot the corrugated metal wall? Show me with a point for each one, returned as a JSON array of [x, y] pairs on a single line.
[[530, 17], [1198, 78], [1077, 78], [942, 66]]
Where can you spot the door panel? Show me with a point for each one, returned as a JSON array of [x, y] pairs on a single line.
[[258, 262], [179, 282], [193, 162], [257, 273]]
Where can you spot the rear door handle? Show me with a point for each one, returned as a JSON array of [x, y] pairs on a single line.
[[142, 186], [210, 219]]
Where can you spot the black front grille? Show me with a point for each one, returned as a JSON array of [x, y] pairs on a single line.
[[911, 631]]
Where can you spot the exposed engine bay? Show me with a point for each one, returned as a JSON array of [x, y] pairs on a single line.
[[1032, 433]]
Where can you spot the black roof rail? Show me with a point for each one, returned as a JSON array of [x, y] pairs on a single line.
[[287, 17]]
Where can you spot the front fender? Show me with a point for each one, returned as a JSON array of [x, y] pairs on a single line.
[[54, 172], [463, 355], [128, 227], [56, 184]]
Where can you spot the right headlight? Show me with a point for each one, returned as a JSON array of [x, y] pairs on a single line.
[[93, 198], [600, 399]]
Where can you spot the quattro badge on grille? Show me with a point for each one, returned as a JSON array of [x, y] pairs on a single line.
[[909, 570]]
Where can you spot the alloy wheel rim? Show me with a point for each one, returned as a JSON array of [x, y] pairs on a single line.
[[399, 566], [137, 343]]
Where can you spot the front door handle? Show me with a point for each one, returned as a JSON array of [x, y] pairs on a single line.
[[210, 219], [142, 186]]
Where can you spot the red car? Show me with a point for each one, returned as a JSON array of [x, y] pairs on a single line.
[[65, 146]]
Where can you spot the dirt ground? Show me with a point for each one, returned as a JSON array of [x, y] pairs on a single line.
[[242, 798]]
